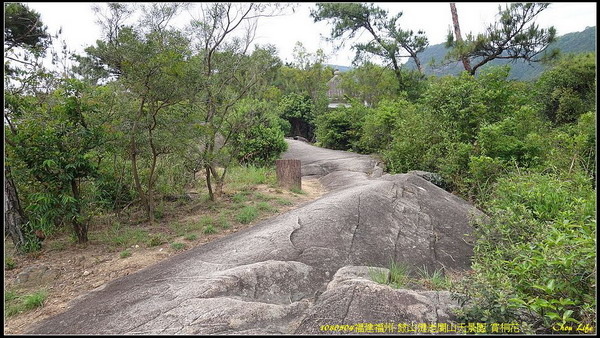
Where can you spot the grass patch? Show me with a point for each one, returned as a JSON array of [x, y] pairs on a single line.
[[156, 240], [125, 254], [9, 263], [247, 214], [397, 276], [120, 237], [239, 198], [264, 206], [242, 177], [283, 201], [263, 197], [15, 303], [178, 246], [223, 222], [298, 191], [191, 237], [181, 229], [379, 275], [209, 229], [435, 280]]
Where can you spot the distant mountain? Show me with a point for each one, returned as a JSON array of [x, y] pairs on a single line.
[[578, 42], [342, 69]]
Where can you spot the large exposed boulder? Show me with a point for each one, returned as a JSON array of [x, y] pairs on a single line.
[[352, 299], [290, 273]]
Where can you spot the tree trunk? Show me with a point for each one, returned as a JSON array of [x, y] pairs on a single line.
[[289, 174], [458, 36], [14, 218], [81, 229], [211, 194]]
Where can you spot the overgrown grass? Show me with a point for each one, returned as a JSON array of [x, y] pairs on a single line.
[[247, 214], [156, 240], [266, 207], [243, 177], [435, 280], [209, 229], [396, 276], [178, 246], [191, 237], [15, 303], [119, 236]]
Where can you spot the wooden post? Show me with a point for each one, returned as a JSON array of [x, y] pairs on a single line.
[[289, 174]]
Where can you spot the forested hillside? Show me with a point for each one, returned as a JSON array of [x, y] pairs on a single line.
[[151, 113], [571, 43]]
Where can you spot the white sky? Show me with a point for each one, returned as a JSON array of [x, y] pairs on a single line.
[[79, 28]]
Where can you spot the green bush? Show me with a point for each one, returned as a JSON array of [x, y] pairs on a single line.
[[536, 254], [298, 111], [380, 124], [340, 128], [568, 89], [260, 145]]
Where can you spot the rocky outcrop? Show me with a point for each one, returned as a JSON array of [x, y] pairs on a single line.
[[352, 299], [300, 270]]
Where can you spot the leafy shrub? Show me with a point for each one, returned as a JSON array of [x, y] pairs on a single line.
[[380, 124], [260, 145], [536, 254], [340, 128], [568, 89], [298, 111]]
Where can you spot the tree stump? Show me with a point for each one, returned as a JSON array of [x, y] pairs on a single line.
[[289, 174]]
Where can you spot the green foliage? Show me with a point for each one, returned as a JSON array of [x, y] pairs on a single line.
[[369, 83], [340, 128], [209, 229], [52, 145], [515, 35], [155, 240], [397, 275], [9, 263], [178, 246], [568, 89], [15, 303], [261, 144], [389, 40], [191, 237], [265, 206], [23, 28], [299, 111], [247, 214], [124, 254], [536, 253], [435, 280], [381, 123]]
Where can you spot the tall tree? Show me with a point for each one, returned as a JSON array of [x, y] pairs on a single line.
[[151, 63], [458, 35], [389, 41], [223, 35], [514, 36], [25, 38]]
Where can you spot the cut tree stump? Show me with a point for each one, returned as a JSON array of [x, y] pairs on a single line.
[[289, 174]]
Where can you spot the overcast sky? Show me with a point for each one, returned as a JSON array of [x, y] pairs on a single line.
[[79, 28]]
